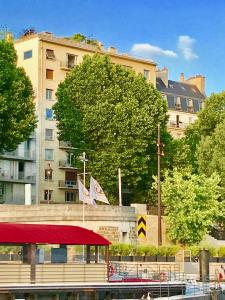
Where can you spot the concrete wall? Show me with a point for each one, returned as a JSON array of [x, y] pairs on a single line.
[[118, 224]]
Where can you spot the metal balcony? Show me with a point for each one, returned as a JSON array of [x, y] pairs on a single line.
[[65, 65], [63, 164], [16, 155], [19, 178], [68, 184], [65, 145]]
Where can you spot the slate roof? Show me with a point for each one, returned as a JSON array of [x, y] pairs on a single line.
[[179, 89]]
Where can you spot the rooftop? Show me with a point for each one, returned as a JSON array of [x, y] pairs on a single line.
[[66, 41]]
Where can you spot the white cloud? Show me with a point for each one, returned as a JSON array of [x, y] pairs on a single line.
[[149, 51], [185, 45]]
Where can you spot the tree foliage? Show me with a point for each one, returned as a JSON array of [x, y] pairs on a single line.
[[80, 38], [17, 110], [111, 110], [191, 205]]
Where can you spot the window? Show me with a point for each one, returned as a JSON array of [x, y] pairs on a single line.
[[49, 74], [190, 106], [71, 60], [49, 134], [48, 154], [70, 196], [50, 54], [48, 114], [48, 195], [146, 74], [27, 54], [48, 174], [49, 93]]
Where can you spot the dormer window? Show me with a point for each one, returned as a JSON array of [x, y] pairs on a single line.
[[190, 106], [178, 103]]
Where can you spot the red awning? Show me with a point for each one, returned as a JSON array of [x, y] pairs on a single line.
[[48, 234]]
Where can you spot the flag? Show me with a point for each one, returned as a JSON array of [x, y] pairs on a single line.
[[96, 192], [84, 195]]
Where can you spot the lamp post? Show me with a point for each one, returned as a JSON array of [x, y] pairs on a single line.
[[49, 176], [159, 154]]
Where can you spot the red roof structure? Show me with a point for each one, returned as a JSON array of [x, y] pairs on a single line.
[[13, 233]]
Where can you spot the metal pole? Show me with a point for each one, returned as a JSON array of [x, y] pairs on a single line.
[[84, 160], [159, 190], [120, 187]]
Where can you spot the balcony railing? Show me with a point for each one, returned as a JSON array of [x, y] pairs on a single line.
[[66, 164], [20, 177], [180, 125], [65, 65], [65, 145], [68, 184], [25, 155]]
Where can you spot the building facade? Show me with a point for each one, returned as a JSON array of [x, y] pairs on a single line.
[[46, 60], [18, 168], [185, 99]]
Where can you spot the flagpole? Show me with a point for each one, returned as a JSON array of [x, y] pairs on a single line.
[[120, 187], [84, 160]]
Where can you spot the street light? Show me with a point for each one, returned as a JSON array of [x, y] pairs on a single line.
[[49, 176], [159, 154]]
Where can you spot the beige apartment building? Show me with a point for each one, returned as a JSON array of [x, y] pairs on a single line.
[[47, 59]]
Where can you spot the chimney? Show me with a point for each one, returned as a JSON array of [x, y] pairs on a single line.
[[112, 50], [163, 75], [182, 77], [198, 81]]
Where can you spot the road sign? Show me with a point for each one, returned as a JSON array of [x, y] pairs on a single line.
[[142, 226]]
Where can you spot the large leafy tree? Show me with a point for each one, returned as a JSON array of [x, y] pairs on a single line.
[[191, 205], [111, 110], [212, 114], [17, 110]]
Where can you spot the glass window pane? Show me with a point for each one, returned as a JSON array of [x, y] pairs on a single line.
[[27, 54]]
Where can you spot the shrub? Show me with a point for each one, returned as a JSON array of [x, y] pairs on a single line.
[[147, 250], [221, 251]]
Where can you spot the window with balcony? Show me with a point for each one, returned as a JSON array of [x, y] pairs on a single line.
[[48, 195], [70, 196], [27, 54], [48, 134], [71, 60], [48, 154], [49, 74], [50, 54], [147, 74], [49, 114], [48, 94]]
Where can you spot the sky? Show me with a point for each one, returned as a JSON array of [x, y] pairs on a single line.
[[185, 36]]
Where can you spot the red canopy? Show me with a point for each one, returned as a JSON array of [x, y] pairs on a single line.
[[48, 234]]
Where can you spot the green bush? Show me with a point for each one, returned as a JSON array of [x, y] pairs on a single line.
[[121, 249], [221, 251], [146, 251]]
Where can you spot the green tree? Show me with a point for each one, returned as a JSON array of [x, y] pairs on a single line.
[[211, 158], [17, 110], [212, 113], [192, 206], [111, 110]]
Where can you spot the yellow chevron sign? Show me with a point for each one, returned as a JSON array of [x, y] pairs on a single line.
[[142, 226]]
